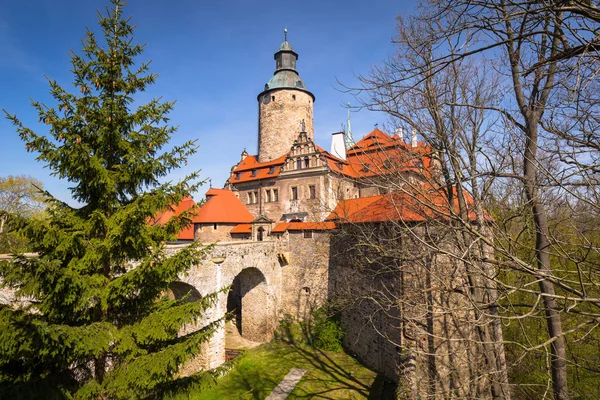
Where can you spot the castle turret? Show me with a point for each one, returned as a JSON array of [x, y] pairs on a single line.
[[282, 107]]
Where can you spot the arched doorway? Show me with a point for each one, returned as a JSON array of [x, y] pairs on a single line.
[[248, 301]]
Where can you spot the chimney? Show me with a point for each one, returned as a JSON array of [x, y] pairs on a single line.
[[413, 142], [399, 133], [338, 145]]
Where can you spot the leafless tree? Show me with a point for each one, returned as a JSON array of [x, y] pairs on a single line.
[[505, 93]]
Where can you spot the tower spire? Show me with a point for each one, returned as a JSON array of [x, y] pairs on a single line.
[[285, 34], [349, 139]]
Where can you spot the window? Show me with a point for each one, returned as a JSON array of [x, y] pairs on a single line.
[[254, 171], [275, 195], [366, 167], [294, 193], [255, 197], [272, 170], [215, 226], [294, 97], [249, 198], [272, 98], [260, 234], [306, 162], [313, 191], [306, 290], [267, 195], [307, 234], [238, 175], [299, 164]]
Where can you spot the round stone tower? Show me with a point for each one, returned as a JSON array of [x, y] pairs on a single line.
[[282, 107]]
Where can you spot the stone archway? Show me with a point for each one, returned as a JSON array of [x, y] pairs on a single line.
[[248, 301], [179, 290]]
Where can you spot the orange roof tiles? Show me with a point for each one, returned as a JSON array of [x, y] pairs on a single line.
[[304, 226], [422, 204], [380, 154], [222, 206], [242, 228], [243, 172], [165, 216]]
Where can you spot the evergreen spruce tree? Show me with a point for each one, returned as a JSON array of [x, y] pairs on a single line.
[[99, 325]]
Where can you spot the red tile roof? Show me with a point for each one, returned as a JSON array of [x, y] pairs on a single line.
[[303, 226], [242, 228], [376, 154], [421, 204], [222, 206], [165, 216], [243, 171], [380, 154]]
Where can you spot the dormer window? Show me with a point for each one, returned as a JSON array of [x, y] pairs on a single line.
[[254, 171], [238, 175], [272, 170], [366, 167]]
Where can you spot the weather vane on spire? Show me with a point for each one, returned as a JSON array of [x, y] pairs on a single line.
[[285, 34]]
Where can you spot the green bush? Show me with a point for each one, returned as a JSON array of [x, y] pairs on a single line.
[[326, 332], [290, 331]]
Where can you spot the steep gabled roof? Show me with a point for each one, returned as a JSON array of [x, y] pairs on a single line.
[[380, 154], [222, 206], [165, 216]]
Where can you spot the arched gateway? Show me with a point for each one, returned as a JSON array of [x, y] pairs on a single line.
[[254, 275], [248, 303]]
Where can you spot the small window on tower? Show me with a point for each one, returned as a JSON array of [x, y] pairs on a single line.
[[272, 98], [215, 226], [294, 97], [294, 193]]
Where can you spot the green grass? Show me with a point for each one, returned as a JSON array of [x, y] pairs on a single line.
[[329, 375]]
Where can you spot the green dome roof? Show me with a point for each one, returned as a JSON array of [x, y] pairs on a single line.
[[285, 79], [286, 46], [286, 76]]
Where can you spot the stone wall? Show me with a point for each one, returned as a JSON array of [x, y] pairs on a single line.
[[280, 113], [211, 233], [407, 312], [305, 278]]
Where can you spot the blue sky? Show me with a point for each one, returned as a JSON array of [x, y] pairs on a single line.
[[212, 57]]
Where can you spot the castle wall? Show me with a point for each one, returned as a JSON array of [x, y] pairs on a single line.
[[280, 113], [407, 312], [206, 233], [305, 278]]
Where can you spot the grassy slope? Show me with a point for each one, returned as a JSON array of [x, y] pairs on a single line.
[[329, 375]]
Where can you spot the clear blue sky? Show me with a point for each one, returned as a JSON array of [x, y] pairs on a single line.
[[212, 57]]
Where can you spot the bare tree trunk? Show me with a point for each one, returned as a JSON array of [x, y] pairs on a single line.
[[542, 245]]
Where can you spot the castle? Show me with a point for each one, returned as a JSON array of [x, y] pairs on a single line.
[[277, 223]]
